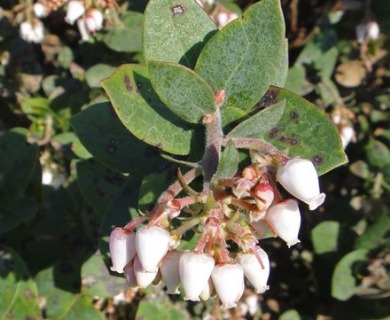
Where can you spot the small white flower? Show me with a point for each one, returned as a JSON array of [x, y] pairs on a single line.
[[229, 283], [144, 279], [151, 244], [285, 220], [93, 20], [40, 10], [299, 178], [256, 273], [122, 248], [373, 30], [261, 228], [195, 270], [170, 271], [347, 135], [130, 275], [32, 32], [75, 10]]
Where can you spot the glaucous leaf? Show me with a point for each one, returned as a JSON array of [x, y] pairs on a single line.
[[160, 308], [374, 235], [325, 237], [176, 31], [97, 73], [182, 90], [143, 113], [102, 133], [343, 280], [228, 164], [247, 55]]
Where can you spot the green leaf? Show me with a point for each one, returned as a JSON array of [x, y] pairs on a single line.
[[128, 36], [60, 304], [97, 73], [17, 164], [260, 123], [102, 133], [325, 237], [18, 292], [98, 184], [176, 31], [296, 81], [228, 165], [247, 56], [160, 308], [305, 131], [182, 90], [97, 280], [374, 235], [343, 280], [142, 112], [291, 314], [378, 154]]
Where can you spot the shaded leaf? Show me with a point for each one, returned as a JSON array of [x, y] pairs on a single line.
[[97, 73], [176, 31], [182, 90], [325, 237], [296, 81], [260, 123], [142, 112], [378, 154], [160, 308], [243, 56], [374, 235], [102, 133], [343, 280]]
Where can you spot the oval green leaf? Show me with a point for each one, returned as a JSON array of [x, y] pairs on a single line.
[[143, 113], [176, 31], [182, 90], [247, 56]]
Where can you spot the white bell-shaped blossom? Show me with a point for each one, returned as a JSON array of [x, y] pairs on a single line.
[[170, 271], [261, 228], [285, 220], [195, 270], [75, 10], [264, 196], [208, 291], [122, 248], [347, 135], [151, 244], [299, 178], [130, 275], [32, 32], [40, 10], [144, 279], [257, 273], [94, 20], [229, 283]]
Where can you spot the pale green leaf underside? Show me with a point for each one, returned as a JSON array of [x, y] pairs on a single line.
[[175, 31], [143, 113], [247, 56], [260, 123], [182, 90]]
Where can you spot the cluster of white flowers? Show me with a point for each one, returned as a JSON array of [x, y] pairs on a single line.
[[89, 20], [247, 205]]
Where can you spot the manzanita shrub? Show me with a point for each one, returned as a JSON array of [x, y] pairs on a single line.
[[247, 151]]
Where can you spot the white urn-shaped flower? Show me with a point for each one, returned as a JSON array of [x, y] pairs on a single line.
[[195, 270], [299, 178], [285, 220], [122, 248], [229, 283], [74, 11], [151, 244], [257, 272], [144, 279], [170, 272]]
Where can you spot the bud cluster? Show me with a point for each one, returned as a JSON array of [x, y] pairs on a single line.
[[229, 219]]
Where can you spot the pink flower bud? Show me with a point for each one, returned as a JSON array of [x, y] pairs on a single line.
[[229, 283], [257, 273], [285, 220], [130, 275], [299, 177], [195, 270], [241, 187], [151, 244], [122, 248], [170, 271], [144, 279], [264, 195], [75, 10]]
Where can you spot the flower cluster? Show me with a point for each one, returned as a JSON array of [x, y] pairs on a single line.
[[236, 211], [89, 18]]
